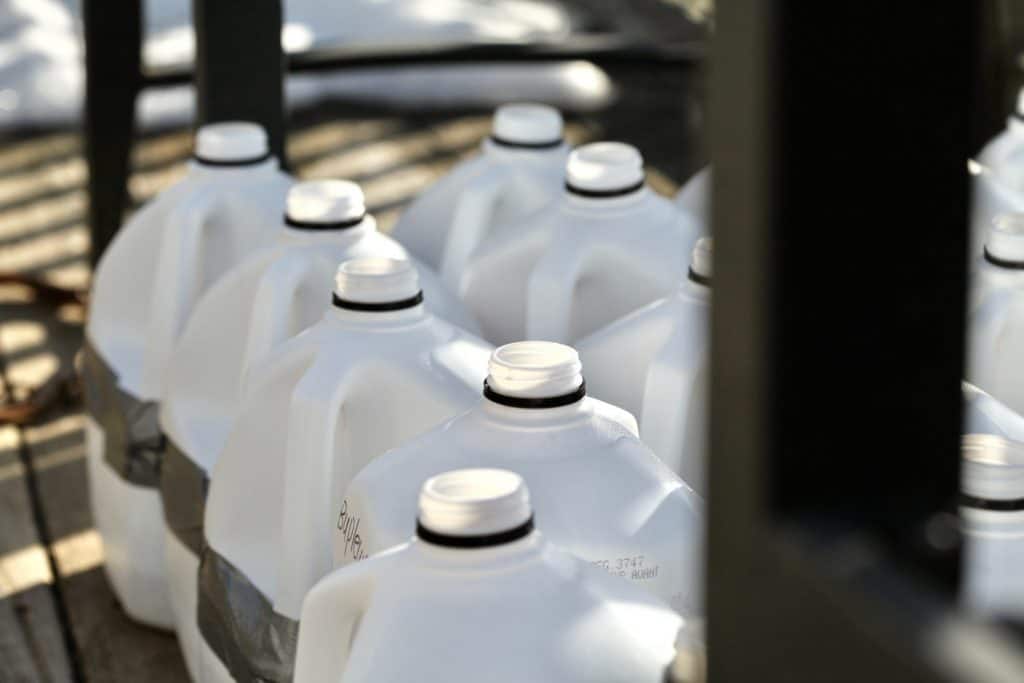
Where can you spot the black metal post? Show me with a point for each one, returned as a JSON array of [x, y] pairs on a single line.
[[113, 44], [240, 64], [839, 139]]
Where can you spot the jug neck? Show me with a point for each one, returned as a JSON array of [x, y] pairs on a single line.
[[557, 410], [504, 150], [598, 201], [535, 381], [232, 171], [381, 318], [503, 555], [695, 288], [1002, 269], [297, 233]]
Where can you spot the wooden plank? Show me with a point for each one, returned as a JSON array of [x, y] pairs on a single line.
[[112, 647], [31, 645], [39, 343]]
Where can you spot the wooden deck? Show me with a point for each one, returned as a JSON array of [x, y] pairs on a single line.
[[59, 620]]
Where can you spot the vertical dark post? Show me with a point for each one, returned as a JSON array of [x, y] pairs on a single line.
[[995, 89], [240, 64], [113, 49], [839, 139]]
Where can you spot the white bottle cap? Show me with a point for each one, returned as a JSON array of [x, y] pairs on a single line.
[[326, 202], [993, 467], [527, 124], [700, 258], [1005, 239], [474, 502], [1020, 102], [605, 167], [534, 369], [376, 281], [231, 142]]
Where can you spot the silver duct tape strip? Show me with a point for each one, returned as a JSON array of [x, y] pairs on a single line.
[[133, 443], [255, 643], [183, 488]]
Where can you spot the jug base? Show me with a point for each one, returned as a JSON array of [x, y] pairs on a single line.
[[129, 519]]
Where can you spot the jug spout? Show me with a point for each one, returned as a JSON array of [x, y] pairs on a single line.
[[534, 374], [474, 508]]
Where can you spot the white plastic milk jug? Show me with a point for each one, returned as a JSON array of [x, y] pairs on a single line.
[[992, 516], [655, 364], [266, 300], [606, 246], [376, 370], [144, 289], [695, 197], [518, 170], [479, 594], [995, 359], [581, 458], [997, 175]]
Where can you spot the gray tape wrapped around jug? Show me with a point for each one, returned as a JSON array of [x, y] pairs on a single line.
[[255, 643], [183, 489], [133, 444]]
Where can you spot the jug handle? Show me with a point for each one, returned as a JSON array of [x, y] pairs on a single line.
[[330, 622], [306, 553], [472, 216], [176, 283], [550, 295], [269, 322]]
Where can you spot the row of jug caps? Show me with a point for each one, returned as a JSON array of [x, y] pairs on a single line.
[[593, 169], [520, 369], [598, 167], [524, 370]]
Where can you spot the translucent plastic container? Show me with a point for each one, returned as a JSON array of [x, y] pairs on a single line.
[[997, 175], [266, 300], [604, 496], [479, 594], [144, 289], [992, 514], [376, 370], [606, 246], [995, 318], [518, 170], [655, 363]]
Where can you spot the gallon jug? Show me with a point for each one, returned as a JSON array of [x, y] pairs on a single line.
[[479, 594], [376, 370], [995, 359], [518, 170], [606, 246], [992, 517], [144, 289], [997, 178], [655, 364], [695, 197], [581, 458], [268, 299]]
